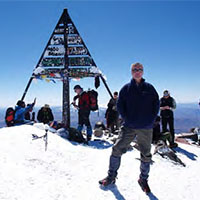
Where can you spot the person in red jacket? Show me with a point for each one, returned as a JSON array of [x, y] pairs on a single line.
[[83, 110]]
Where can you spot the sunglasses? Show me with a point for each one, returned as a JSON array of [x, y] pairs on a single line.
[[166, 94], [137, 70]]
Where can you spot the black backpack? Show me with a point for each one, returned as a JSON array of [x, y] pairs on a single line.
[[10, 116], [93, 96], [76, 136]]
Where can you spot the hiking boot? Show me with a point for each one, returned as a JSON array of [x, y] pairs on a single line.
[[173, 145], [89, 137], [107, 181], [144, 185]]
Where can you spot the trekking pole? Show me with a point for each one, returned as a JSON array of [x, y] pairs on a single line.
[[45, 137]]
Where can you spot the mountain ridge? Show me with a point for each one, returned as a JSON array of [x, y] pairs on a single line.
[[187, 116]]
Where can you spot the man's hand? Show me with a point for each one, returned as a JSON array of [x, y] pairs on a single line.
[[165, 108], [74, 104], [34, 101]]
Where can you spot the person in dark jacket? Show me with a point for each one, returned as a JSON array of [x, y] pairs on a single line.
[[156, 130], [138, 105], [20, 111], [83, 110], [30, 115], [158, 135], [112, 115], [45, 114], [167, 105]]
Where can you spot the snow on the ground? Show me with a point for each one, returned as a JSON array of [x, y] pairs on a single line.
[[69, 171]]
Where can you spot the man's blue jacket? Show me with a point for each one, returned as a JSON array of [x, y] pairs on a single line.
[[138, 105], [20, 113]]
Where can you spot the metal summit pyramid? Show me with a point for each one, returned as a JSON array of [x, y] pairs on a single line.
[[65, 56]]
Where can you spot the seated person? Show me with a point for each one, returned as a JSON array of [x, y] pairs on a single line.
[[20, 111], [45, 114], [30, 115]]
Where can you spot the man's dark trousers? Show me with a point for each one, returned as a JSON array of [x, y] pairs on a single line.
[[170, 121], [127, 135]]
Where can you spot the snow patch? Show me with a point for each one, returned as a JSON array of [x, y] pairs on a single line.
[[68, 170]]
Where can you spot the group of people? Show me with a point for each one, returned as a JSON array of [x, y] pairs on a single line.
[[167, 106], [24, 115], [138, 105]]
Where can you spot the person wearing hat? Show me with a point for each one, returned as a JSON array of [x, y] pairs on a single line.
[[21, 110], [83, 110], [45, 114], [167, 105]]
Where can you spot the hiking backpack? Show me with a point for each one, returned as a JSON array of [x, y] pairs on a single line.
[[10, 116], [76, 136], [93, 96]]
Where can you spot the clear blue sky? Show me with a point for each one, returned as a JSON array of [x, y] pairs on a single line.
[[163, 36]]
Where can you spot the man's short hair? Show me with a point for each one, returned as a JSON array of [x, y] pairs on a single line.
[[46, 105], [20, 103], [77, 87], [136, 64], [166, 93], [115, 93]]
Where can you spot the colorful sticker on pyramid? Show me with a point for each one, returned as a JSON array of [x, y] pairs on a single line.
[[55, 51], [80, 61], [77, 51], [57, 40], [52, 62]]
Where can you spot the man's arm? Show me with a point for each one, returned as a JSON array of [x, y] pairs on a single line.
[[76, 97], [74, 101], [51, 115], [156, 103], [163, 107], [121, 103], [28, 108], [39, 115], [174, 104]]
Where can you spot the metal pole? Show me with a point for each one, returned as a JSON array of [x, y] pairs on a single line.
[[30, 80], [27, 87], [66, 91], [46, 139], [104, 81]]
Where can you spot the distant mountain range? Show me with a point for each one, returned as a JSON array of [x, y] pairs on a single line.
[[186, 116]]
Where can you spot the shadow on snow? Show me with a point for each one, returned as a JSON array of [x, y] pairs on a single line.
[[190, 155]]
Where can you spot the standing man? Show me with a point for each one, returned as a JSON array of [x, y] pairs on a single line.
[[83, 110], [112, 115], [167, 105], [138, 104]]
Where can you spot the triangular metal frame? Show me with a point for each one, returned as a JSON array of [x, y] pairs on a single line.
[[66, 55]]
